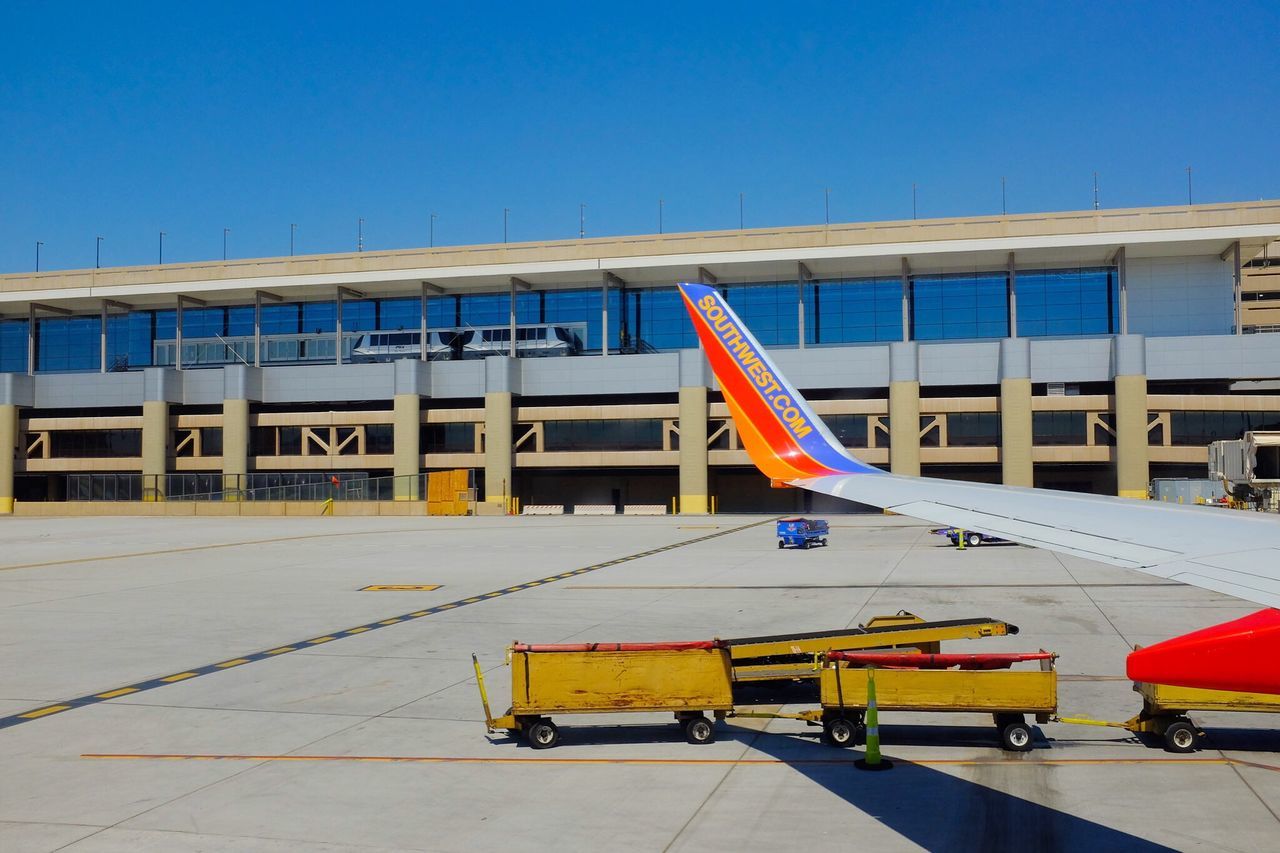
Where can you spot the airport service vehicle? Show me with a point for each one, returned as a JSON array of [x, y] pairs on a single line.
[[972, 538], [541, 339], [801, 532], [1233, 553]]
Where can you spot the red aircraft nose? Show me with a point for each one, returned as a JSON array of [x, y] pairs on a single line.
[[1242, 655]]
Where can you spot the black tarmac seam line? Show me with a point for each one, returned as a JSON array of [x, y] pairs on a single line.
[[253, 657]]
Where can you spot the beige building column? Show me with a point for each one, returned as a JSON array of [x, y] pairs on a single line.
[[502, 383], [904, 409], [412, 382], [240, 385], [1015, 413], [160, 387], [406, 428], [693, 451], [8, 449], [155, 448], [1133, 474]]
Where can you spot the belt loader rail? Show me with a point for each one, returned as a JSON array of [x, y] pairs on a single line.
[[791, 656]]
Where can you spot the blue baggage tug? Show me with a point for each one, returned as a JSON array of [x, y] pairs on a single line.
[[801, 532]]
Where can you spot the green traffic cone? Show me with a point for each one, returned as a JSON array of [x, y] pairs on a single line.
[[872, 759]]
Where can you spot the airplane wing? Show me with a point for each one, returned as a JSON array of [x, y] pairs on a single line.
[[1230, 552]]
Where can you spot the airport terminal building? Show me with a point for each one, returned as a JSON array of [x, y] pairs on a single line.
[[1085, 350]]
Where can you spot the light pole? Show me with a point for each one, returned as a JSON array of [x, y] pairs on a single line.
[[97, 255], [360, 235], [162, 248], [39, 243], [506, 213], [913, 201], [661, 202], [431, 233], [741, 219], [225, 232], [1095, 190], [826, 200], [1188, 185], [582, 221], [1004, 207], [293, 229]]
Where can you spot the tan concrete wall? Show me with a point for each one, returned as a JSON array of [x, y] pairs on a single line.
[[497, 447], [904, 428], [72, 509], [406, 455], [1132, 469], [693, 451], [8, 446], [235, 443], [1015, 433]]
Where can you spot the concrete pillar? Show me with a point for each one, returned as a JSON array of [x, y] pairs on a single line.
[[693, 450], [497, 447], [235, 447], [1015, 413], [904, 409], [502, 383], [406, 420], [155, 448], [241, 384], [1133, 474], [8, 448]]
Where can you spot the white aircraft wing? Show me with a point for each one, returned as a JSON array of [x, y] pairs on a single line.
[[1223, 550]]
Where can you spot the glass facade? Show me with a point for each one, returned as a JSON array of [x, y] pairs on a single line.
[[958, 307], [837, 311], [1057, 428], [1198, 429], [1067, 302], [601, 435], [973, 429]]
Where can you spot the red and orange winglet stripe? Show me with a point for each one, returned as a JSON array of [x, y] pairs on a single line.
[[781, 434]]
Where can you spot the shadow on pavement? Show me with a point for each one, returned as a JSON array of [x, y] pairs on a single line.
[[940, 811]]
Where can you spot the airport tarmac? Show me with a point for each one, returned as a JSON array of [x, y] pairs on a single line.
[[228, 684]]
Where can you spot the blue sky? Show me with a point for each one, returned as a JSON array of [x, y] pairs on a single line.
[[125, 120]]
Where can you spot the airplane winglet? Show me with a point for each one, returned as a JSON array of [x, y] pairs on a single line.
[[781, 433]]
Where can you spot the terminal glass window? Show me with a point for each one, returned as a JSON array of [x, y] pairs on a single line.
[[1198, 429], [973, 429], [853, 311], [602, 435], [768, 310], [95, 443], [1057, 428], [1067, 302], [957, 307], [13, 347], [657, 320], [849, 430], [448, 438]]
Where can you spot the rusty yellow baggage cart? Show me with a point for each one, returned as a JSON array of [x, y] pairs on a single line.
[[952, 683], [689, 679]]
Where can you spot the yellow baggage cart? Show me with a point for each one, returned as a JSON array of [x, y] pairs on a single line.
[[690, 680]]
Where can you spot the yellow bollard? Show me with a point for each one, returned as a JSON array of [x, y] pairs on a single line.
[[960, 540], [872, 760]]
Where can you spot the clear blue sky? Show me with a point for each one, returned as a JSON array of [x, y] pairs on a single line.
[[125, 120]]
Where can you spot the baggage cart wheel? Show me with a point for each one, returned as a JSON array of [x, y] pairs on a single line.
[[542, 734], [699, 730], [1180, 736], [973, 540], [839, 731], [1016, 736], [780, 545]]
